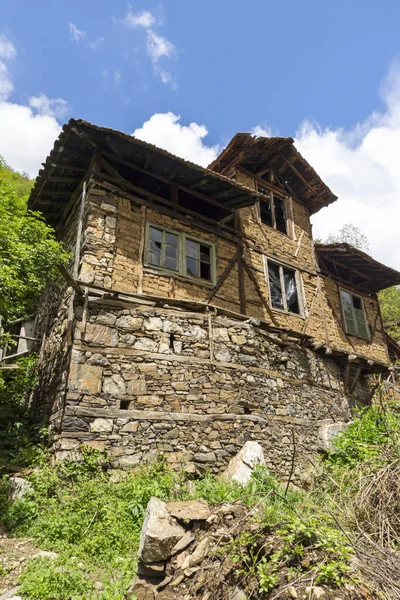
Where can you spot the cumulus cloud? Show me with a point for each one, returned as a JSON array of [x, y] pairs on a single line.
[[157, 45], [361, 166], [186, 141], [27, 131], [75, 34]]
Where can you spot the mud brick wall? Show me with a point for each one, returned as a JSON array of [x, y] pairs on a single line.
[[194, 387]]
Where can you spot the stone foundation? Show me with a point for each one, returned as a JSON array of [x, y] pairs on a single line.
[[194, 387]]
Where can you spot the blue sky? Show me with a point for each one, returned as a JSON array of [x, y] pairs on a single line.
[[188, 75]]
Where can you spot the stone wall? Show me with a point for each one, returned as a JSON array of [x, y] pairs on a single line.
[[195, 387]]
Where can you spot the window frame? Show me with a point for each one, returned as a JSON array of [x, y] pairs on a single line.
[[299, 287], [367, 327], [286, 201], [181, 271]]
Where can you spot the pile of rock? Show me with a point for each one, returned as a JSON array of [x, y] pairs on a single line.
[[175, 545]]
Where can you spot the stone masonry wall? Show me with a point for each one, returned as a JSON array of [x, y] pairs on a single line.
[[194, 387]]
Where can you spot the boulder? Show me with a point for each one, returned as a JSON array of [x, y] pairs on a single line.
[[142, 589], [242, 465], [19, 488], [160, 533], [327, 434], [192, 510]]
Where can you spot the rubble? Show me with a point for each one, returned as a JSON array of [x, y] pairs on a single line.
[[242, 465]]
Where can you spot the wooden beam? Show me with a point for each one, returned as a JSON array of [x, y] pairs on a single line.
[[356, 378], [63, 179], [70, 280], [68, 167], [259, 292], [272, 188], [300, 176], [79, 233], [224, 275], [168, 180]]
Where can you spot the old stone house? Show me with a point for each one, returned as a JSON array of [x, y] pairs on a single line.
[[197, 313]]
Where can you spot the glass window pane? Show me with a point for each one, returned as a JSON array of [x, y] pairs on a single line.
[[280, 214], [155, 246], [348, 312], [171, 251], [191, 266], [155, 234], [171, 239], [191, 248], [266, 212], [275, 286], [171, 263], [154, 259], [291, 294]]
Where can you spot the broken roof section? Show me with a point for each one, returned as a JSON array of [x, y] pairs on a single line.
[[348, 264], [65, 167], [257, 154]]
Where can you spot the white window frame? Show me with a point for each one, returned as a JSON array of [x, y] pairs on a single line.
[[181, 270], [299, 287], [357, 334]]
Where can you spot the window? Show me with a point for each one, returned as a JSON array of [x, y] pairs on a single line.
[[354, 314], [173, 251], [163, 249], [273, 211], [283, 288]]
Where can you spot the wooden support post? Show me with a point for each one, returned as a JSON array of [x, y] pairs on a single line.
[[85, 312], [347, 377], [242, 294], [356, 378], [299, 244], [79, 233], [259, 292], [141, 249], [70, 280]]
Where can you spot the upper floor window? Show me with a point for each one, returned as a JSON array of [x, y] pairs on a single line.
[[273, 210], [180, 253], [283, 288], [354, 314]]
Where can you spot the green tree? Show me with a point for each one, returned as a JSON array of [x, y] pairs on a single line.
[[389, 301], [350, 234], [29, 251]]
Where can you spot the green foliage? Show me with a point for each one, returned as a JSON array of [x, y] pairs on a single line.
[[350, 234], [389, 301], [49, 579], [29, 251], [373, 431], [19, 441]]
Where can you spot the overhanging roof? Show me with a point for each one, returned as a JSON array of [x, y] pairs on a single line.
[[256, 154], [341, 260], [73, 150]]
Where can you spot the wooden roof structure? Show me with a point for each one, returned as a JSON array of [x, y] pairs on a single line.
[[257, 154], [207, 192], [343, 262]]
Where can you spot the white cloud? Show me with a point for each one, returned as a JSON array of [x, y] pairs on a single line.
[[141, 19], [27, 132], [26, 138], [361, 166], [186, 141], [7, 48], [7, 51], [96, 42], [261, 131], [55, 107], [75, 34], [158, 46]]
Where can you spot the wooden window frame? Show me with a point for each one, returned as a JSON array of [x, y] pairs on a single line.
[[181, 270], [288, 206], [357, 335], [299, 288]]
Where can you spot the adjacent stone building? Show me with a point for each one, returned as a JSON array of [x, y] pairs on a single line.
[[197, 313]]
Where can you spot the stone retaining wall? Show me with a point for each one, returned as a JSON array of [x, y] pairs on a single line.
[[195, 387]]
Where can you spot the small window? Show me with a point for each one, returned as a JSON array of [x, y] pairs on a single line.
[[283, 288], [163, 249], [273, 211], [198, 259], [173, 251], [354, 314]]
